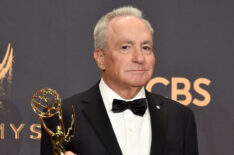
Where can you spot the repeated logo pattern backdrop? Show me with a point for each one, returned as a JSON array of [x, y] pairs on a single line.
[[49, 44]]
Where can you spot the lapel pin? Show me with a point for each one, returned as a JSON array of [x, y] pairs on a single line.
[[158, 107]]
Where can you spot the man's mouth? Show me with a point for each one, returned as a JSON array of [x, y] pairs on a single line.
[[137, 70]]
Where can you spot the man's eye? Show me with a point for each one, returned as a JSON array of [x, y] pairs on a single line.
[[147, 48], [125, 47]]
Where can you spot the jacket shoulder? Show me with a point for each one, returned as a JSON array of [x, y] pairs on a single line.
[[80, 100], [74, 100]]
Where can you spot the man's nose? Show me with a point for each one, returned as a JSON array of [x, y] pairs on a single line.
[[138, 56]]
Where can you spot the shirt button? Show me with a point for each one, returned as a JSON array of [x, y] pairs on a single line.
[[130, 129]]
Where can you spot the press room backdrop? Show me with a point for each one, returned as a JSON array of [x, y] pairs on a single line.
[[49, 43]]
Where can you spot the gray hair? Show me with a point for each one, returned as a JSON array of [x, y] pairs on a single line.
[[100, 30]]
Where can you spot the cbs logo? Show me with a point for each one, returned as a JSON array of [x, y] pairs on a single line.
[[185, 91]]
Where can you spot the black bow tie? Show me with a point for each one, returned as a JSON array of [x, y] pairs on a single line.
[[138, 106]]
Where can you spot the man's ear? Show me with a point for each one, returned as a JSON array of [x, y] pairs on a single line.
[[99, 57]]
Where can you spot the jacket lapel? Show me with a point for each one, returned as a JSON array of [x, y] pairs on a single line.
[[158, 124], [96, 114]]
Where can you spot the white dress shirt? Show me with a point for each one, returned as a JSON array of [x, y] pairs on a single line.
[[133, 132]]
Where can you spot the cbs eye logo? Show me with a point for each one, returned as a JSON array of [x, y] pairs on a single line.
[[185, 91]]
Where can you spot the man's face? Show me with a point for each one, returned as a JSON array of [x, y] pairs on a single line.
[[129, 59]]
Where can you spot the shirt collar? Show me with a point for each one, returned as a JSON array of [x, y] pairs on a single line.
[[108, 95]]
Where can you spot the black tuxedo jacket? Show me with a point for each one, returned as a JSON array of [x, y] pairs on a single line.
[[173, 127]]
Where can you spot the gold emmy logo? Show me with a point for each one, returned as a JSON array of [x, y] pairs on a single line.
[[46, 103], [6, 69]]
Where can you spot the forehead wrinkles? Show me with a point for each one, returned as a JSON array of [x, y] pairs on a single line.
[[125, 21], [122, 21], [118, 23]]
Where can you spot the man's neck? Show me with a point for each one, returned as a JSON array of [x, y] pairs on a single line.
[[124, 92]]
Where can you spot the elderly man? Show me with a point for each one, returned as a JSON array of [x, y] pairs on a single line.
[[117, 115]]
